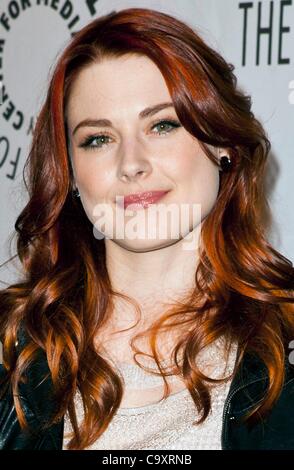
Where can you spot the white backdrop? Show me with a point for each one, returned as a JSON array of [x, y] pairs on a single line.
[[257, 37]]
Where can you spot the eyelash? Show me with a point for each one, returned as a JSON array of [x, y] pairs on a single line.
[[87, 143]]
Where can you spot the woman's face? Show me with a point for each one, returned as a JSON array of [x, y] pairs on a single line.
[[135, 151]]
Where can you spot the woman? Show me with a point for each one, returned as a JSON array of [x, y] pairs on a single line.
[[142, 116]]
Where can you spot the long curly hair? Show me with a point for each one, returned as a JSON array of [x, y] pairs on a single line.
[[243, 286]]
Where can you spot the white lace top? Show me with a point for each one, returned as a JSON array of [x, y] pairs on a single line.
[[165, 424]]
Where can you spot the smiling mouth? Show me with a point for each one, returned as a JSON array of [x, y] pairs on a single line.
[[142, 200]]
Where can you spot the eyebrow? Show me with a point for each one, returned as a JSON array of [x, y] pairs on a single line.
[[150, 111]]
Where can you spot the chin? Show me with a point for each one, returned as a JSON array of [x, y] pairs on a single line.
[[143, 246]]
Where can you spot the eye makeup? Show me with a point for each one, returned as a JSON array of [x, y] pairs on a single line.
[[87, 143]]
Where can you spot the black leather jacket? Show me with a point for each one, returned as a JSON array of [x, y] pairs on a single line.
[[247, 388]]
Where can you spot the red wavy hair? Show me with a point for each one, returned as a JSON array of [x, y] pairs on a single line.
[[244, 287]]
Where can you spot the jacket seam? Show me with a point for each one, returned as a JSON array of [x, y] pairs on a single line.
[[228, 404]]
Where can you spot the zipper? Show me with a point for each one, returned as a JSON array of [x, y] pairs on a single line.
[[227, 407]]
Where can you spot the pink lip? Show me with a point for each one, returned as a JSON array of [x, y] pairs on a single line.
[[143, 199]]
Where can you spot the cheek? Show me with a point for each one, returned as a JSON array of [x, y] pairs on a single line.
[[94, 183], [199, 178], [93, 179]]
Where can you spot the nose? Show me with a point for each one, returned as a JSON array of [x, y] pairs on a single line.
[[134, 163]]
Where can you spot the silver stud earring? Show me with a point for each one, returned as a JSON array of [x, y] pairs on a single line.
[[76, 192]]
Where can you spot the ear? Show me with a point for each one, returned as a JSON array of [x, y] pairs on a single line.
[[222, 152]]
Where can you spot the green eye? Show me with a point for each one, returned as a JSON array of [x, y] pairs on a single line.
[[166, 126], [88, 142]]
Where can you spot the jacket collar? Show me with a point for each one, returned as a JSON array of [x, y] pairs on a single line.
[[250, 384]]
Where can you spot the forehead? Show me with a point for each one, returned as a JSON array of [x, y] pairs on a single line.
[[130, 81]]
